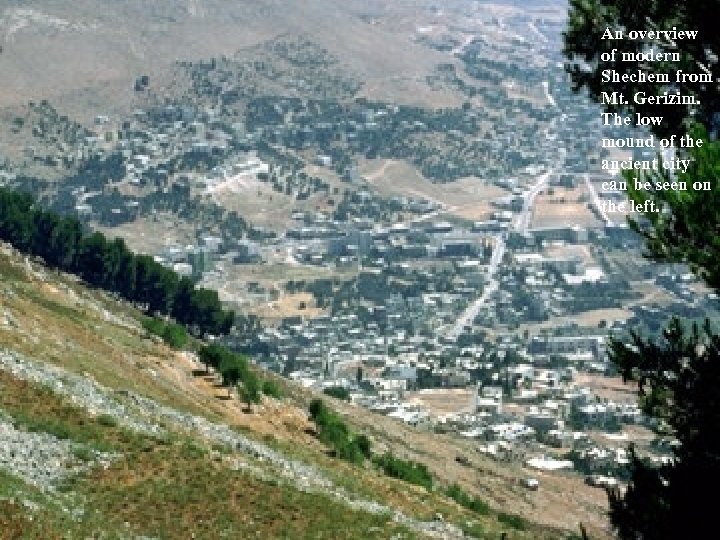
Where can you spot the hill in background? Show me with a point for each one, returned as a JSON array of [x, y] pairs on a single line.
[[86, 58]]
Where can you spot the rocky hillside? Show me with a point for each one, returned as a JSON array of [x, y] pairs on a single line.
[[106, 431]]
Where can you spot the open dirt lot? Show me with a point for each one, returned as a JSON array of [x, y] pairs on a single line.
[[558, 206], [467, 198], [442, 401]]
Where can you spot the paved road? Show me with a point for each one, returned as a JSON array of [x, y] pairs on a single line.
[[523, 222], [522, 225], [468, 316]]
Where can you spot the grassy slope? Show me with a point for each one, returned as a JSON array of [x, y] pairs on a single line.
[[178, 484], [170, 487]]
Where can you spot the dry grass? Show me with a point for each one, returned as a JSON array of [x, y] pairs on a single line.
[[289, 305], [564, 207], [443, 401], [146, 235], [563, 500], [198, 496], [170, 487], [466, 197]]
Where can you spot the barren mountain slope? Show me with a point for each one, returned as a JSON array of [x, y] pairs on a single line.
[[85, 55]]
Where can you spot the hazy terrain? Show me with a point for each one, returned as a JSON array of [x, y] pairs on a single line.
[[85, 55]]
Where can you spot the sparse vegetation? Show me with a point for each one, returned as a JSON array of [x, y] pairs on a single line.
[[272, 388], [235, 371], [173, 334], [335, 433], [513, 520], [250, 389], [139, 488], [457, 494], [407, 470]]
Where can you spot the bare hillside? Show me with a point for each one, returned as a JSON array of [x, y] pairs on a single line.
[[85, 55]]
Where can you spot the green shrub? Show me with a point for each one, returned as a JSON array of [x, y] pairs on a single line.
[[272, 388], [457, 494], [348, 450], [54, 427], [173, 334], [317, 409], [335, 434], [213, 355], [250, 388], [107, 420], [407, 470], [153, 325], [233, 369], [513, 520], [363, 443], [83, 453]]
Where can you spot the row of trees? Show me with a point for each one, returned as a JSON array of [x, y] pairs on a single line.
[[235, 371], [171, 333], [347, 445], [64, 244]]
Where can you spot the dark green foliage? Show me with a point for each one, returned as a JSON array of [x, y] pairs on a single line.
[[345, 444], [213, 355], [250, 390], [337, 392], [235, 371], [317, 408], [364, 445], [158, 284], [587, 21], [335, 434], [678, 379], [154, 325], [107, 420], [688, 228], [457, 494], [109, 264], [409, 471], [272, 388], [173, 334], [513, 520]]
